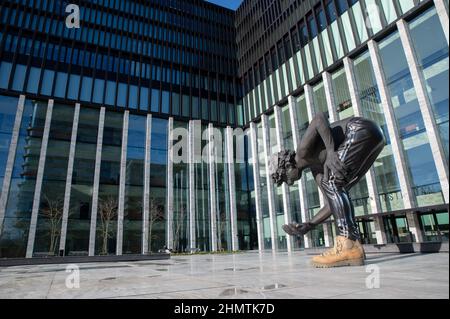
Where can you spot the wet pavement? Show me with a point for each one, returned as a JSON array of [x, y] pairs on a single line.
[[240, 276]]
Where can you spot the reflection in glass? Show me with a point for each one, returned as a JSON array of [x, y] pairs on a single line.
[[420, 162], [13, 240]]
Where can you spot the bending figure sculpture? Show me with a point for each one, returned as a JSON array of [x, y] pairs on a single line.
[[339, 155]]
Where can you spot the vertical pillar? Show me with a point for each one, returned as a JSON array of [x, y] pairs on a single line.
[[301, 183], [257, 184], [327, 234], [192, 202], [284, 187], [212, 186], [232, 188], [414, 226], [269, 182], [329, 94], [426, 108], [122, 181], [309, 98], [380, 231], [311, 114], [397, 151], [375, 204], [39, 178], [98, 161], [170, 197], [146, 196], [11, 158], [442, 11], [68, 189]]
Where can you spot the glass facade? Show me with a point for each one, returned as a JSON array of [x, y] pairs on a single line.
[[409, 119], [169, 66]]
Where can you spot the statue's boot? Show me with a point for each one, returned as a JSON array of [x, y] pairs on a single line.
[[346, 252]]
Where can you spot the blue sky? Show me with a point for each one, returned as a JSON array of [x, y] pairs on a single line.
[[231, 4]]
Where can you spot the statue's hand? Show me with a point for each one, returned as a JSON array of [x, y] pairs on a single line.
[[296, 229], [333, 164]]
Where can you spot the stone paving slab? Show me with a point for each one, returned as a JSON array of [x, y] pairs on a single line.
[[241, 276]]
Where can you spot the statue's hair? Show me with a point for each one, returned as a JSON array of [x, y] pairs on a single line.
[[279, 165]]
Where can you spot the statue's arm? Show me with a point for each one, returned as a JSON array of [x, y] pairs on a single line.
[[320, 127]]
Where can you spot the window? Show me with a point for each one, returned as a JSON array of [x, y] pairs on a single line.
[[60, 84], [155, 101], [33, 80], [331, 11], [19, 77], [341, 6], [321, 20]]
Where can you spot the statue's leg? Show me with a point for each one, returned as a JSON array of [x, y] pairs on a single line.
[[363, 143]]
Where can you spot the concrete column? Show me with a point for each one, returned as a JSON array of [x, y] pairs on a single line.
[[442, 11], [375, 204], [170, 197], [327, 235], [329, 94], [380, 230], [301, 183], [269, 182], [284, 187], [39, 178], [391, 123], [68, 190], [146, 200], [95, 188], [122, 181], [11, 158], [309, 98], [426, 108], [256, 182], [232, 188], [192, 202], [311, 114], [212, 186], [414, 226]]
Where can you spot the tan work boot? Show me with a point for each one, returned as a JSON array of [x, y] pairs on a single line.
[[346, 252]]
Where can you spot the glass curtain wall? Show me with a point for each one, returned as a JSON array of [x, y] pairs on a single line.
[[263, 183], [158, 184], [384, 167], [202, 218], [278, 190], [48, 229], [108, 194], [13, 241], [180, 225], [78, 225], [134, 186], [414, 138], [245, 205], [222, 195], [8, 108], [432, 55]]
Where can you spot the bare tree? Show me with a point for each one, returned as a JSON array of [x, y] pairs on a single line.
[[108, 211], [156, 214], [53, 211], [222, 225], [177, 229]]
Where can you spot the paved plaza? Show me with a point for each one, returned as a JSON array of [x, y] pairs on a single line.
[[241, 276]]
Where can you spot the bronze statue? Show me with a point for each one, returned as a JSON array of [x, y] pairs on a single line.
[[339, 155]]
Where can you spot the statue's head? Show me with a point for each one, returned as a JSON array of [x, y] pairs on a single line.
[[283, 168]]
